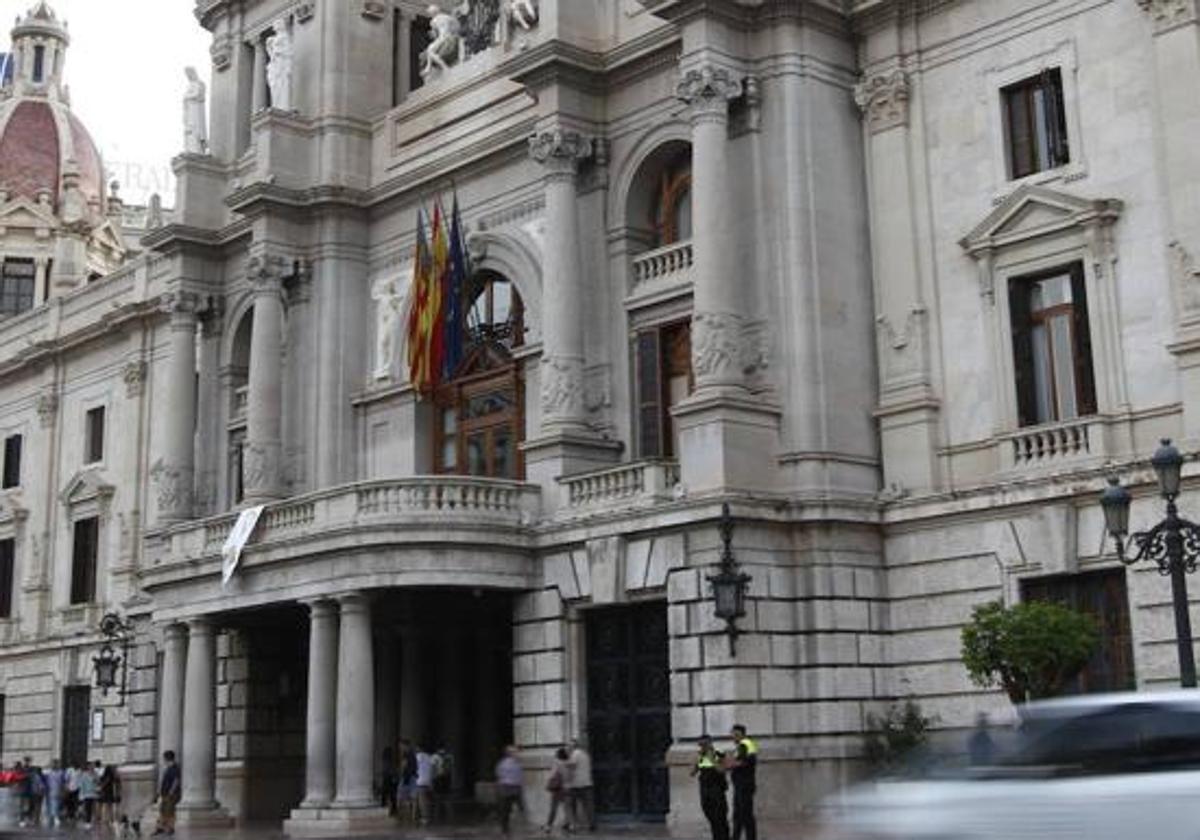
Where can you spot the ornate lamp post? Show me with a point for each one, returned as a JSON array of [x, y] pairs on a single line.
[[115, 630], [1173, 544], [729, 585]]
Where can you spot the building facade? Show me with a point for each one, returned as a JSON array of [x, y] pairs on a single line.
[[897, 281]]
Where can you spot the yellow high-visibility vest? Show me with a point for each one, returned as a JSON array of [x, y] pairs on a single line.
[[751, 747]]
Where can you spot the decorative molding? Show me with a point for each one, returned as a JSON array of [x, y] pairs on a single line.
[[707, 92], [265, 273], [221, 52], [260, 467], [1170, 14], [746, 112], [1186, 277], [884, 100], [374, 9], [903, 353], [560, 150], [133, 374], [87, 487], [173, 489], [305, 11]]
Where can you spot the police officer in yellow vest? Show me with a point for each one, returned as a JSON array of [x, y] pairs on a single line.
[[742, 768], [709, 767]]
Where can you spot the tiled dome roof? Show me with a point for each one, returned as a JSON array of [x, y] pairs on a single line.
[[34, 153]]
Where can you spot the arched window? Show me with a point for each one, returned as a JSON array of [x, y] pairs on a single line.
[[480, 422], [673, 202]]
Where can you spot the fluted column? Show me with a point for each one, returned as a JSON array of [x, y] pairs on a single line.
[[355, 704], [322, 703], [199, 765], [171, 699], [719, 292], [560, 152], [173, 472], [261, 464]]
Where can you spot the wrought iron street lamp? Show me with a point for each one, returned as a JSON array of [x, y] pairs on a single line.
[[729, 585], [115, 630], [1173, 544]]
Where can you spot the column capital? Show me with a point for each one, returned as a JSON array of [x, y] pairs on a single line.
[[265, 272], [707, 91], [321, 606], [200, 625], [354, 601], [183, 307], [1171, 14], [560, 150], [883, 99], [174, 632]]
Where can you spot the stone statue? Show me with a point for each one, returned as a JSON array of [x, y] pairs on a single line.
[[279, 66], [447, 39], [514, 14], [154, 212], [388, 302], [195, 122]]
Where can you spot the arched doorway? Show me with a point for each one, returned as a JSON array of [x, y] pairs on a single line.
[[480, 417]]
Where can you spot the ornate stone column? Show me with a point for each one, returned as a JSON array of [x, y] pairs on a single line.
[[198, 805], [170, 711], [907, 410], [173, 473], [560, 152], [718, 297], [261, 470], [728, 437], [258, 94], [355, 704], [322, 703]]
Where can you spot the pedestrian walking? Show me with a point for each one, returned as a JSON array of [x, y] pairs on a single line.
[[713, 785], [390, 781], [21, 783], [56, 791], [88, 794], [424, 786], [510, 779], [37, 792], [108, 788], [169, 788], [742, 771], [408, 779], [556, 786], [71, 800], [580, 796]]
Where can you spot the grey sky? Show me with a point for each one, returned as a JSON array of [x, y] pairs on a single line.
[[125, 70]]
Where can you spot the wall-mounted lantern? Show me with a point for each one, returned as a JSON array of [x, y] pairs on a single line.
[[729, 585]]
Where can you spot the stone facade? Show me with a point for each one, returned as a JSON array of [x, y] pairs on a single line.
[[850, 388]]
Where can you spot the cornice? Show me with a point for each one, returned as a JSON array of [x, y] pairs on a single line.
[[749, 15], [867, 16]]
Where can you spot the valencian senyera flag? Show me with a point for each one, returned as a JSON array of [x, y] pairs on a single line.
[[433, 326]]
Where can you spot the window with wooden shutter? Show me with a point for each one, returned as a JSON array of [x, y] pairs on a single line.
[[663, 373], [83, 560], [12, 462], [1052, 348], [7, 571], [1036, 124], [649, 394]]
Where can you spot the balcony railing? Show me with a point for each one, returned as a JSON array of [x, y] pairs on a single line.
[[1050, 445], [442, 501], [626, 486], [663, 266]]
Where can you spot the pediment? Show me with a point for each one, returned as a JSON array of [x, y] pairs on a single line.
[[87, 486], [23, 213], [12, 508], [1031, 212], [107, 236]]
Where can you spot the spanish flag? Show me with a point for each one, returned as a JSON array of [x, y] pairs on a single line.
[[417, 346]]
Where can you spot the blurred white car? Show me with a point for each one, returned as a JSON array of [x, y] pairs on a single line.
[[1098, 767]]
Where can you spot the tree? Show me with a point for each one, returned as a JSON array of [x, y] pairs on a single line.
[[1030, 649], [892, 738]]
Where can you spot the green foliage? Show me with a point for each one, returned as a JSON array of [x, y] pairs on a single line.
[[893, 737], [1029, 649]]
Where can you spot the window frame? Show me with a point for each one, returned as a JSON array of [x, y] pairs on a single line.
[[1057, 138], [84, 583], [93, 439], [1063, 58], [10, 475], [639, 402], [5, 278], [8, 576]]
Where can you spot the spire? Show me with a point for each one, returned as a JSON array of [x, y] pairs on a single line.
[[39, 47]]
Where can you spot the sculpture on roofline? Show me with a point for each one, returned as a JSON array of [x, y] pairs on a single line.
[[515, 14], [195, 126], [279, 66], [446, 46]]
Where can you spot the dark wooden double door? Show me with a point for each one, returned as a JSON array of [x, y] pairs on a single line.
[[629, 710]]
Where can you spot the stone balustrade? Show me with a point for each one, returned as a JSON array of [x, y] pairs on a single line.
[[666, 266], [1052, 444], [626, 486]]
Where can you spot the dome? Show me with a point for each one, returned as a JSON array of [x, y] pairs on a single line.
[[40, 141]]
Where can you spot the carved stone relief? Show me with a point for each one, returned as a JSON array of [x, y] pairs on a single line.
[[884, 100], [260, 461], [47, 408], [1186, 277], [717, 346], [173, 488], [902, 352], [708, 91], [133, 374], [562, 388], [1169, 14]]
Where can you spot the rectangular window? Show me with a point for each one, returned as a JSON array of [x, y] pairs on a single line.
[[94, 435], [39, 63], [3, 702], [1036, 124], [663, 380], [7, 571], [16, 286], [12, 462], [1052, 347], [83, 560], [420, 35], [77, 715], [1103, 596]]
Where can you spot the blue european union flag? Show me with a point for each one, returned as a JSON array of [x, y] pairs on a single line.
[[459, 271]]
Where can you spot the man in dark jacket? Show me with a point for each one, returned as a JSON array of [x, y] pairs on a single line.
[[169, 788], [742, 772]]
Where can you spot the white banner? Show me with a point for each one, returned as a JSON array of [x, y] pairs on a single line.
[[231, 553]]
